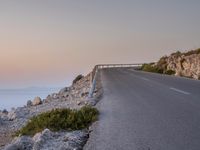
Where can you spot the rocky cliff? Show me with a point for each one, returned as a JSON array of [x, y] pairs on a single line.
[[73, 97], [185, 64]]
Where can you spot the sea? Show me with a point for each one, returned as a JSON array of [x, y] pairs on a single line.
[[12, 98]]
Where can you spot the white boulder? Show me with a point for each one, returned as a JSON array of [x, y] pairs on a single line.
[[37, 101]]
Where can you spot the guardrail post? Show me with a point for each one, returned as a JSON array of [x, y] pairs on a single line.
[[93, 83]]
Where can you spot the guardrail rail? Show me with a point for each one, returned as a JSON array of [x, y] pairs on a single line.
[[101, 66]]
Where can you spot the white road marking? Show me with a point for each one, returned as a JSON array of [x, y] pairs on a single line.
[[180, 91]]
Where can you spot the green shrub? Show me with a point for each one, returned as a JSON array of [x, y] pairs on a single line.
[[170, 72], [60, 119], [155, 69], [79, 77], [151, 68], [177, 53], [197, 51]]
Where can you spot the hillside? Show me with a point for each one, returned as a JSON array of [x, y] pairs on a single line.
[[186, 64], [60, 121]]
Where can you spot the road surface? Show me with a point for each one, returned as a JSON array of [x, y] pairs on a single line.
[[146, 111]]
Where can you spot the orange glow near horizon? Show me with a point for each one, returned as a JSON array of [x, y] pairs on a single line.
[[48, 43]]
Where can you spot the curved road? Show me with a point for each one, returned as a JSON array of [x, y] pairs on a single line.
[[146, 111]]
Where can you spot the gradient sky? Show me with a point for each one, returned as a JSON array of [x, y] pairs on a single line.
[[49, 42]]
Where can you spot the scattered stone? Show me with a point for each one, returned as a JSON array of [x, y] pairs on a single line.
[[20, 143], [66, 94], [3, 117], [50, 140], [37, 101], [29, 103], [91, 102], [19, 113], [53, 96], [78, 102], [11, 115], [48, 99], [62, 91], [84, 94], [5, 111]]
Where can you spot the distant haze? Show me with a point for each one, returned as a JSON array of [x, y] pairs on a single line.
[[48, 42]]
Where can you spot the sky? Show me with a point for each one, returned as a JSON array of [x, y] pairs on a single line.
[[48, 42]]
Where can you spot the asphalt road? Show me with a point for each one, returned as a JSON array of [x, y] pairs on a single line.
[[146, 111]]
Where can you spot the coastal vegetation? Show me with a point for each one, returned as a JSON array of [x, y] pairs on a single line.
[[153, 68], [79, 77], [60, 119], [197, 51]]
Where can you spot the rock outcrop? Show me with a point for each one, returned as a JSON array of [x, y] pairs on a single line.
[[47, 140], [37, 101], [74, 97], [78, 91], [184, 64], [29, 103]]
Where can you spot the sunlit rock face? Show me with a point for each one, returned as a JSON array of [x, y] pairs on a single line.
[[184, 64]]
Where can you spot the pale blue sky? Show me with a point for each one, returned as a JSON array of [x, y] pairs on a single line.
[[48, 42]]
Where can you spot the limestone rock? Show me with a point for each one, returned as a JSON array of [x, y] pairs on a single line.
[[20, 112], [47, 140], [65, 89], [20, 143], [12, 115], [78, 102], [29, 103], [37, 101], [184, 64], [188, 66]]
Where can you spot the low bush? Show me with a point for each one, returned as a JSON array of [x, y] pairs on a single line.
[[151, 68], [197, 51], [60, 119], [170, 72], [79, 77], [162, 63], [177, 54]]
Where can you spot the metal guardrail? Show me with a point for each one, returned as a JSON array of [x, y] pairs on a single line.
[[101, 66]]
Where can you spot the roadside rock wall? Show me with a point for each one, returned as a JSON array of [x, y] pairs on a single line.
[[188, 66], [184, 64]]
